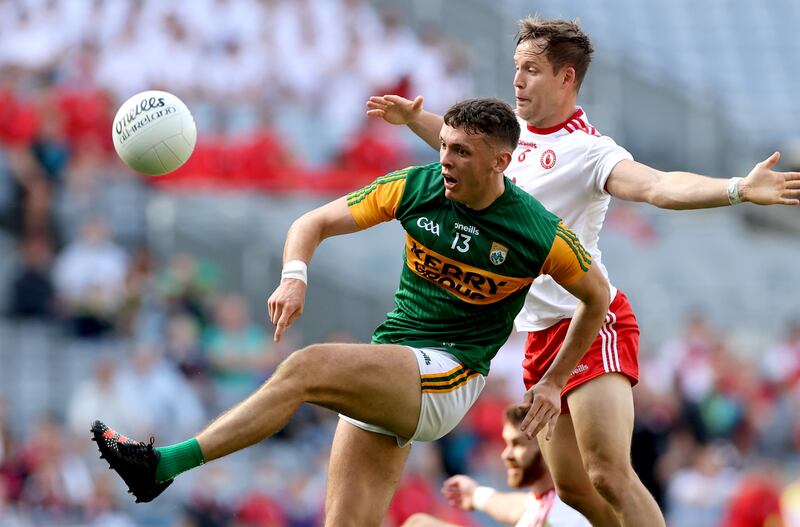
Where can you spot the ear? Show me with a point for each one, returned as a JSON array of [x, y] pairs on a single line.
[[501, 161], [569, 77]]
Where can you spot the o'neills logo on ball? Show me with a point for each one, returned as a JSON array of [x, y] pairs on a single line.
[[132, 118]]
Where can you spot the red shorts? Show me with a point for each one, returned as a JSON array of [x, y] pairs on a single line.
[[616, 349]]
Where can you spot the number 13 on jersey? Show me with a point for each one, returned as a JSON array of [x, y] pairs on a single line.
[[461, 242]]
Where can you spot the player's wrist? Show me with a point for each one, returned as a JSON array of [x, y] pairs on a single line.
[[736, 191], [481, 496], [555, 379], [295, 269]]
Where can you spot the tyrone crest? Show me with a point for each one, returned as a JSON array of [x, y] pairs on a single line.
[[497, 254]]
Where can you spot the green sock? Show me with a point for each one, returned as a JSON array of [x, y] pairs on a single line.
[[179, 458]]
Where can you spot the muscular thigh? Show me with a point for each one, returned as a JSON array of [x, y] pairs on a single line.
[[375, 383], [564, 460], [602, 416], [365, 469]]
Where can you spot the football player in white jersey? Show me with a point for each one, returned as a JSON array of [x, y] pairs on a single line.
[[525, 466], [574, 170]]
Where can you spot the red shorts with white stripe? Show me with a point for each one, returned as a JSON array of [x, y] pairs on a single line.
[[616, 349]]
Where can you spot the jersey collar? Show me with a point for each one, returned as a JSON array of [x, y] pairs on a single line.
[[553, 129]]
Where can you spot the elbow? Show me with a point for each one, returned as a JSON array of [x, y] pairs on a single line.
[[657, 198], [664, 196], [307, 224], [602, 297], [663, 202]]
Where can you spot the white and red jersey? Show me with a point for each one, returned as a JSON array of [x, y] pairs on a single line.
[[549, 511], [565, 167]]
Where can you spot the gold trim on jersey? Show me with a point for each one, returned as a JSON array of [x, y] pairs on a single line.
[[378, 201], [470, 284], [567, 260]]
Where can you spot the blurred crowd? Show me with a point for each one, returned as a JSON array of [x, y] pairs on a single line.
[[289, 75]]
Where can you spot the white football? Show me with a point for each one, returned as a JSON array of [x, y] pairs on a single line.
[[154, 132]]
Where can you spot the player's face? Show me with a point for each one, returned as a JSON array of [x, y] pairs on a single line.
[[522, 457], [539, 91], [469, 166]]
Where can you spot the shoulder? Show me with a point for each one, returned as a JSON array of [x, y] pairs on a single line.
[[432, 170], [521, 199], [422, 179], [595, 148], [421, 186]]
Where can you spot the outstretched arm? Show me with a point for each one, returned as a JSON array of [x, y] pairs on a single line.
[[463, 492], [398, 110], [634, 181], [304, 236]]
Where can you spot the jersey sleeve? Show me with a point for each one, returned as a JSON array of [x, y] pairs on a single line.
[[378, 201], [603, 157], [567, 260]]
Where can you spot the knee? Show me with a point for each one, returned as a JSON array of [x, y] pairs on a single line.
[[611, 480], [578, 499], [298, 368]]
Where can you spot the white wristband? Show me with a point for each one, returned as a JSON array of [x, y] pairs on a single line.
[[480, 496], [296, 269], [733, 191]]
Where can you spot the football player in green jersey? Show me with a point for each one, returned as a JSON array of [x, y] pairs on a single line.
[[474, 244]]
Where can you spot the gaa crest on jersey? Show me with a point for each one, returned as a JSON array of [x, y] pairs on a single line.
[[548, 159], [497, 254]]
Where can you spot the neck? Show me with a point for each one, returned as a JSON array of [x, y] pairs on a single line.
[[489, 197], [558, 116]]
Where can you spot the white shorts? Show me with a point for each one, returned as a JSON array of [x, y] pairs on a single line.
[[449, 390]]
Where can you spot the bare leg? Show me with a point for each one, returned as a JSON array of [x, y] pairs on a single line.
[[563, 458], [378, 384], [364, 472], [602, 414]]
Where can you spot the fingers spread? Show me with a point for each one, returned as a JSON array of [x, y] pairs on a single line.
[[395, 99], [533, 420]]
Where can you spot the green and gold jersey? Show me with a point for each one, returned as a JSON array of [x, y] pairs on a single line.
[[466, 271]]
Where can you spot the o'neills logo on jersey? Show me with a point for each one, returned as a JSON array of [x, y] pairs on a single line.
[[548, 159], [470, 284]]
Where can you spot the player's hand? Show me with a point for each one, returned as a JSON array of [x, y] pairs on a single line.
[[394, 109], [764, 186], [458, 491], [544, 406], [286, 305]]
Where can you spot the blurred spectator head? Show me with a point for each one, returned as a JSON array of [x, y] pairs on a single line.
[[232, 313], [522, 456], [104, 371], [145, 358], [37, 252], [94, 231]]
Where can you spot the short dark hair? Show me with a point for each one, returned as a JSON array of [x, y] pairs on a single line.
[[564, 43], [488, 116], [515, 413]]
